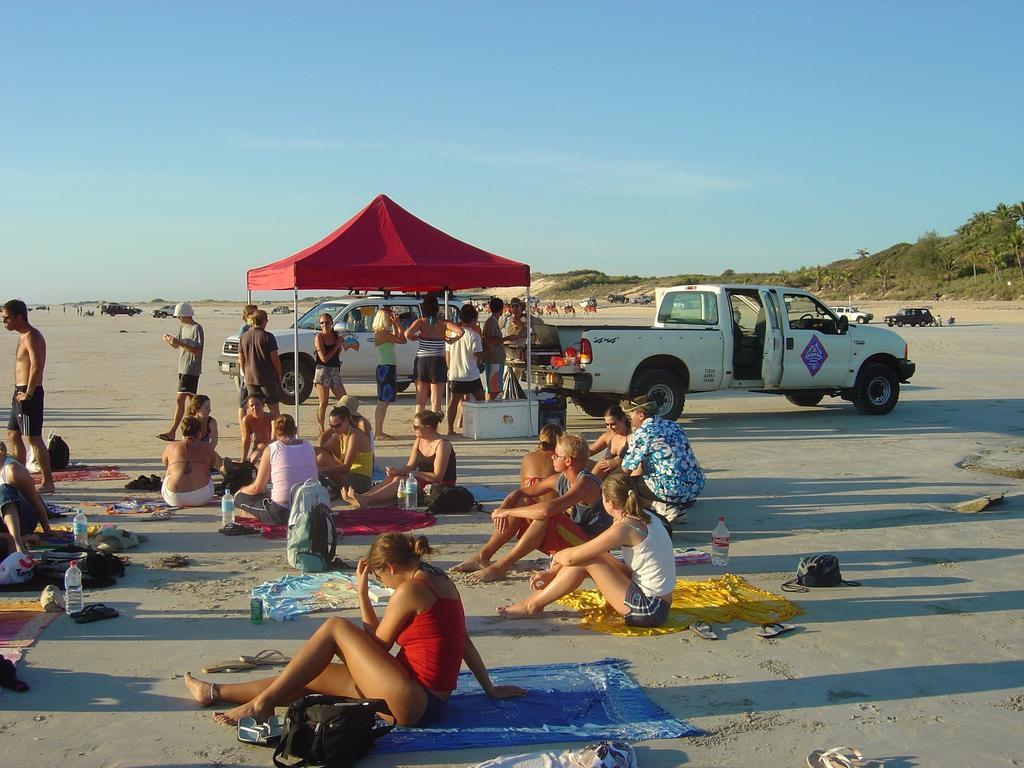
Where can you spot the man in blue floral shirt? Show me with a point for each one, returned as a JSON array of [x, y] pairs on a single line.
[[659, 457]]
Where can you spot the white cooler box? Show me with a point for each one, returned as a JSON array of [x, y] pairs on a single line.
[[499, 418]]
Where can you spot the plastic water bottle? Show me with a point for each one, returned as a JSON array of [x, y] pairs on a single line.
[[73, 597], [720, 538], [80, 527], [227, 509], [410, 492]]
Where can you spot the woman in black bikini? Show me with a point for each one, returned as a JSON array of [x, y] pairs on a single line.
[[432, 460], [613, 441], [327, 376], [199, 407]]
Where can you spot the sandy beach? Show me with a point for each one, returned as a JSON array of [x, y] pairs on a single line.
[[916, 666]]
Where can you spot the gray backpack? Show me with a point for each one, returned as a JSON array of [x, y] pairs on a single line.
[[312, 539]]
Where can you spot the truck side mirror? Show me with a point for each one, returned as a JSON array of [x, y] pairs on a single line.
[[843, 325]]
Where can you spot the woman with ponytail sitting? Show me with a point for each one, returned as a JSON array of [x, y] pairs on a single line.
[[424, 617], [640, 589]]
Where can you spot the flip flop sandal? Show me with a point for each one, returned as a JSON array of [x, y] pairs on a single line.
[[841, 757], [175, 561], [234, 665], [266, 658], [264, 734], [161, 514], [774, 630], [165, 438], [94, 612], [236, 529], [704, 630]]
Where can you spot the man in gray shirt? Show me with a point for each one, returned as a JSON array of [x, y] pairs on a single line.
[[189, 343], [259, 362]]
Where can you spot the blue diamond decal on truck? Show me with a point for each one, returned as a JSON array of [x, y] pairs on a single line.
[[814, 355]]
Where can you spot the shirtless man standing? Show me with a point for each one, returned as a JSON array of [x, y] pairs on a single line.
[[27, 403]]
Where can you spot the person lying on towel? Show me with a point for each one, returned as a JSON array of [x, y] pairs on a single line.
[[424, 617], [640, 589], [571, 518]]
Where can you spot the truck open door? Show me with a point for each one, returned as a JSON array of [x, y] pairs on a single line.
[[771, 362]]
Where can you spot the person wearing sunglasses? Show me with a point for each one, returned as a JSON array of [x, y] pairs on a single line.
[[424, 617], [613, 441], [327, 376]]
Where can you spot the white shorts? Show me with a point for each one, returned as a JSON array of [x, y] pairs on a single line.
[[197, 498]]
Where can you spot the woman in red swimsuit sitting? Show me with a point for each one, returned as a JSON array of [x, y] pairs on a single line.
[[424, 616]]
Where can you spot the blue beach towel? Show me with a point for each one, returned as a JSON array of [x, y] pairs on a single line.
[[566, 702]]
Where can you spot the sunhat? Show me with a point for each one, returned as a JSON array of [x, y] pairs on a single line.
[[639, 403], [351, 402], [183, 310]]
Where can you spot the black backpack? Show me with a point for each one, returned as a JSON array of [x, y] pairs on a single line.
[[60, 453], [817, 571], [240, 473], [333, 731], [450, 500]]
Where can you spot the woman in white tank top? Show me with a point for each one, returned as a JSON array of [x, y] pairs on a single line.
[[286, 462], [640, 589]]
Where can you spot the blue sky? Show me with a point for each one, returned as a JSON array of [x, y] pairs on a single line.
[[161, 149]]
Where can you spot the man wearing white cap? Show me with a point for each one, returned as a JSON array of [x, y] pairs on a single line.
[[189, 343]]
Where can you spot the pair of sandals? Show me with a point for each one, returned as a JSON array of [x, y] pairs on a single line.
[[145, 483], [841, 757], [705, 631]]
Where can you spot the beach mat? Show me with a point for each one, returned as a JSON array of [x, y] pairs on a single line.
[[21, 622], [718, 601], [565, 702], [289, 597], [367, 521], [80, 474]]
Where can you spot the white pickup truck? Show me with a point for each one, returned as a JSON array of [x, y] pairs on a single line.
[[353, 319], [718, 337]]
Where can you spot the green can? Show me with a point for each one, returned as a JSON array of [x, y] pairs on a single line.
[[256, 610]]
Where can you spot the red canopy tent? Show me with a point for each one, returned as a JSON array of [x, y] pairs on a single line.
[[386, 247]]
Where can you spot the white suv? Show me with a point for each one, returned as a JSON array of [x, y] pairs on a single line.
[[353, 319], [853, 315]]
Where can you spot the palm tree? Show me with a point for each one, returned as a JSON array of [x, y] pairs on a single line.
[[948, 265], [1017, 244], [885, 275], [1017, 210], [861, 253]]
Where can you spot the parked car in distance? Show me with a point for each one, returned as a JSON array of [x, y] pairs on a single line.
[[616, 298], [853, 314], [281, 310], [165, 311], [119, 309], [643, 298], [911, 316]]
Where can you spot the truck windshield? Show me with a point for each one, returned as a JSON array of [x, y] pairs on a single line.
[[689, 308], [309, 320]]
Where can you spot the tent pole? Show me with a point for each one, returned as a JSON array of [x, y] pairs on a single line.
[[446, 386], [295, 355], [529, 361]]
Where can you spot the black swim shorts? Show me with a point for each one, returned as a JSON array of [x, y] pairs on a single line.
[[468, 387], [271, 395], [433, 370], [27, 415], [188, 383]]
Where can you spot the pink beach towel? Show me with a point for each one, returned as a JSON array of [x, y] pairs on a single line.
[[366, 521]]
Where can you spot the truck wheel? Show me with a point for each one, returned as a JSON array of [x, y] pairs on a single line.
[[288, 380], [899, 323], [806, 399], [402, 386], [877, 390], [666, 388], [862, 320], [593, 405]]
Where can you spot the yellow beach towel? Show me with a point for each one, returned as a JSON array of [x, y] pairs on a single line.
[[718, 601]]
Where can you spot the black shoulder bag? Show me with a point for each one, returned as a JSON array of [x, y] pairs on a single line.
[[333, 731], [817, 571]]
